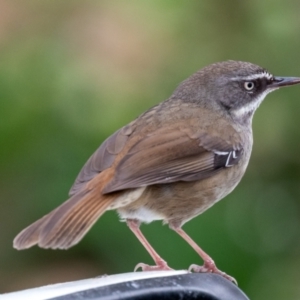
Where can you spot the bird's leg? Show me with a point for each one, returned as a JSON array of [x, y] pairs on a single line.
[[160, 264], [209, 265]]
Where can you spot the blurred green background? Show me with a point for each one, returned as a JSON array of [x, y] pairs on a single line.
[[73, 72]]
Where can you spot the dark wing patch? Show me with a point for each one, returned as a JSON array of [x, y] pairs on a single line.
[[103, 157], [227, 159], [172, 156]]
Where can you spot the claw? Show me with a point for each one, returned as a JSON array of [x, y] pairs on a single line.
[[211, 268], [159, 267]]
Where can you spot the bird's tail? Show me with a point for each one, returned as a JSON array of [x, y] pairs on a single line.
[[66, 225]]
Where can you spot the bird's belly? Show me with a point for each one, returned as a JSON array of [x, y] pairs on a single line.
[[142, 213], [181, 201]]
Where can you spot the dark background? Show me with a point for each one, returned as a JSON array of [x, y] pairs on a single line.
[[73, 72]]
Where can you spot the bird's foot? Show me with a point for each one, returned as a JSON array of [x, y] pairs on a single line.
[[160, 266], [210, 267]]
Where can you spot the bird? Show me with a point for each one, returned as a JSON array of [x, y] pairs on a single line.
[[171, 163]]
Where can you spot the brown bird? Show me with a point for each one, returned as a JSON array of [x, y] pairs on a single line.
[[172, 163]]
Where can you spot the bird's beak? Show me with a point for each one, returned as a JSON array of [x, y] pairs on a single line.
[[283, 81]]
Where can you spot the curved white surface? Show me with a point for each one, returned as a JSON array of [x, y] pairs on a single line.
[[60, 289]]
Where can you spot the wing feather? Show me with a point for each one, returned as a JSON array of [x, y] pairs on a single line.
[[103, 157], [171, 156]]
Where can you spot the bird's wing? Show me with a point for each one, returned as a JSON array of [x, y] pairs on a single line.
[[103, 157], [173, 155]]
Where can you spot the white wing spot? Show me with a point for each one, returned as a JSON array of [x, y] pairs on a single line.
[[220, 153], [228, 158], [234, 154]]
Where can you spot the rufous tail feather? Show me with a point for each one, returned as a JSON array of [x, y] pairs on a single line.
[[66, 225]]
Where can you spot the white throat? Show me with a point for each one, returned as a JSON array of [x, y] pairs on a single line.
[[249, 108]]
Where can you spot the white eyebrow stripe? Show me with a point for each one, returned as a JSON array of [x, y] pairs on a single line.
[[254, 76]]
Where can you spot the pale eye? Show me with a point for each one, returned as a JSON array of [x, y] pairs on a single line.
[[249, 85]]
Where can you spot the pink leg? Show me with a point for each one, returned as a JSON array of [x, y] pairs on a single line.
[[160, 264], [209, 265]]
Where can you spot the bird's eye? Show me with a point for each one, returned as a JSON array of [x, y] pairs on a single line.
[[249, 85]]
